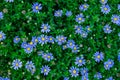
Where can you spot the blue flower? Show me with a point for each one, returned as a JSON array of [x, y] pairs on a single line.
[[28, 49], [9, 0], [78, 29], [84, 77], [36, 7], [119, 7], [45, 70], [60, 39], [107, 29], [103, 1], [66, 78], [64, 47], [34, 40], [68, 13], [98, 56], [75, 49], [105, 9], [6, 78], [84, 34], [16, 64], [115, 19], [2, 36], [47, 56], [31, 43], [16, 39], [58, 13], [98, 75], [119, 34], [80, 18], [70, 44], [88, 29], [110, 78], [119, 57], [80, 61], [24, 44], [1, 15], [51, 39], [30, 66], [45, 28], [74, 71], [108, 64], [83, 7], [84, 71], [43, 39]]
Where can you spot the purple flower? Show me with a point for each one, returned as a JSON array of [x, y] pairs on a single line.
[[28, 49], [84, 34], [84, 71], [16, 64], [119, 7], [70, 44], [98, 56], [36, 7], [66, 78], [24, 44], [83, 7], [75, 49], [2, 36], [9, 0], [107, 29], [68, 13], [78, 29], [103, 1], [108, 64], [105, 9], [115, 19], [98, 75], [16, 39], [80, 61], [51, 39], [45, 70], [110, 78], [84, 77], [88, 29], [30, 66], [58, 13], [80, 18], [1, 15], [43, 39], [60, 39], [45, 28], [119, 57], [47, 56], [74, 71]]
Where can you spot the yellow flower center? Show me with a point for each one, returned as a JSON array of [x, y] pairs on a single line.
[[115, 19], [50, 38], [16, 64], [75, 48], [105, 9], [43, 39], [89, 29], [80, 19], [85, 6], [16, 38], [36, 7], [36, 40], [45, 70], [103, 0], [98, 56], [70, 44], [31, 43], [80, 61], [48, 56], [0, 36], [74, 71], [45, 27], [28, 49], [106, 65]]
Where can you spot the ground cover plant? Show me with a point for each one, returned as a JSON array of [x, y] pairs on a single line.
[[59, 39]]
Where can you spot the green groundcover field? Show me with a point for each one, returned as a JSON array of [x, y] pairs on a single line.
[[59, 39]]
